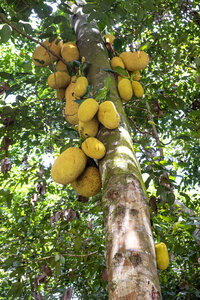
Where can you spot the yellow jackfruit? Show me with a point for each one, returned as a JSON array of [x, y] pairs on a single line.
[[135, 61], [58, 80], [125, 89], [136, 75], [88, 109], [60, 66], [109, 38], [80, 87], [137, 89], [70, 52], [93, 148], [68, 165], [162, 257], [71, 107], [41, 57], [60, 94], [89, 183], [117, 62], [88, 129], [108, 115]]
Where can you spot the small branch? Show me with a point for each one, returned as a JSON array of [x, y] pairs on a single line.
[[71, 255], [32, 39], [155, 130], [143, 132]]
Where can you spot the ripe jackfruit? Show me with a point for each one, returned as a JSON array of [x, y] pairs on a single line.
[[125, 89], [135, 61], [88, 129], [58, 80], [41, 57], [137, 89], [60, 66], [80, 87], [71, 107], [117, 62], [136, 75], [70, 52], [93, 148], [68, 165], [162, 257], [89, 183], [88, 109], [109, 38], [108, 115], [60, 94]]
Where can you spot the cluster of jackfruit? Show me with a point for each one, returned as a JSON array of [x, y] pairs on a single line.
[[71, 165], [133, 63], [41, 57], [162, 257]]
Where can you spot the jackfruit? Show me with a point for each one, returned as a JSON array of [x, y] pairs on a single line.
[[125, 89], [60, 94], [71, 107], [136, 75], [108, 115], [60, 66], [162, 257], [135, 61], [88, 109], [41, 57], [88, 129], [93, 148], [80, 87], [88, 184], [117, 62], [58, 80], [137, 89], [68, 165], [109, 38], [70, 52]]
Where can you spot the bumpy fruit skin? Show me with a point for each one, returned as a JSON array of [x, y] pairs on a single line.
[[135, 61], [162, 257], [88, 184], [137, 89], [70, 52], [108, 115], [88, 129], [40, 54], [60, 66], [58, 80], [93, 148], [109, 38], [60, 94], [125, 89], [71, 107], [80, 87], [68, 165], [117, 62], [88, 109], [136, 75]]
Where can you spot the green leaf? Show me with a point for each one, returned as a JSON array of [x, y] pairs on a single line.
[[120, 71], [6, 75], [77, 244], [5, 33], [16, 290]]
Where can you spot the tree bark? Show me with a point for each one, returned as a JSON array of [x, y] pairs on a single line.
[[130, 252]]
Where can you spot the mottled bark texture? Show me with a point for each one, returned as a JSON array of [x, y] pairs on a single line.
[[130, 254]]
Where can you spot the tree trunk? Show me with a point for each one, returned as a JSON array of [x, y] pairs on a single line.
[[130, 253]]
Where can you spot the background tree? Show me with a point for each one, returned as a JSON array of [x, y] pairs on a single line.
[[51, 241]]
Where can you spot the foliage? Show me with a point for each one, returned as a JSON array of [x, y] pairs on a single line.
[[51, 240]]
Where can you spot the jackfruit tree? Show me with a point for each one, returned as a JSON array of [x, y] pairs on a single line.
[[99, 149]]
